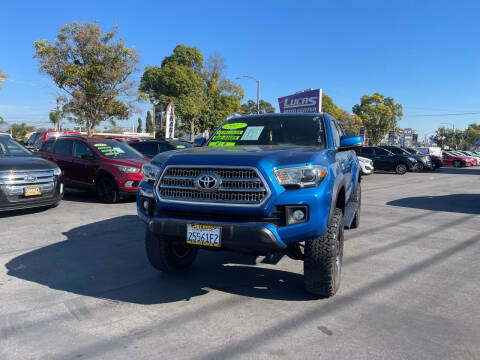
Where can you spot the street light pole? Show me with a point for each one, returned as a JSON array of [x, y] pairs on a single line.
[[258, 88]]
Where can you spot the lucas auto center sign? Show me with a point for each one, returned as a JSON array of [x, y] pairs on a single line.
[[309, 101]]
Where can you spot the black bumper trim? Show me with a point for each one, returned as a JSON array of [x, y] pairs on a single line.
[[237, 237]]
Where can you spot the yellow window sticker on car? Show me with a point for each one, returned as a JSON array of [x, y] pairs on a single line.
[[234, 126], [220, 143], [180, 146]]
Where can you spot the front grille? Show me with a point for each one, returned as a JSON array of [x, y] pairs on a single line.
[[13, 182], [239, 186]]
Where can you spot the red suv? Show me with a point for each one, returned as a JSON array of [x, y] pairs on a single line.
[[109, 167]]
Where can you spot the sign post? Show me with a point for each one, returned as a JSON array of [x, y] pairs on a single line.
[[170, 121], [309, 101]]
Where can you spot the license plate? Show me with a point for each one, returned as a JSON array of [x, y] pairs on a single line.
[[32, 190], [205, 235]]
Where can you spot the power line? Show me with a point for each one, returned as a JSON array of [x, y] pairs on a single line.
[[440, 115]]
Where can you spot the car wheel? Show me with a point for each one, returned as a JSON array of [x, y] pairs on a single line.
[[457, 163], [107, 190], [168, 255], [401, 168], [420, 166], [323, 259], [357, 198]]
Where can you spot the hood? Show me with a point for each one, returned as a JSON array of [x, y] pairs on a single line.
[[129, 162], [25, 163], [268, 155]]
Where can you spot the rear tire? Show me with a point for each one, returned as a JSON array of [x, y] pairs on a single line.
[[401, 168], [167, 255], [107, 190], [323, 259]]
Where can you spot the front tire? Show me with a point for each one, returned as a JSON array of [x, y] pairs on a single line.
[[107, 190], [457, 163], [401, 168], [420, 166], [323, 259], [167, 255]]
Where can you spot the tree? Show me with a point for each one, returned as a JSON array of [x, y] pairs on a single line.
[[149, 123], [2, 122], [139, 127], [447, 138], [222, 98], [470, 136], [250, 107], [379, 115], [351, 123], [179, 79], [93, 69], [19, 131], [3, 77], [203, 97]]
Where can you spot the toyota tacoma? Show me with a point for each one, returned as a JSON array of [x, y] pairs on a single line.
[[261, 185]]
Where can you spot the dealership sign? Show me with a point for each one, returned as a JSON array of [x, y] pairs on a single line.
[[309, 101], [170, 121]]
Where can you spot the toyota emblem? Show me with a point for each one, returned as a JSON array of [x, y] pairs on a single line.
[[207, 182]]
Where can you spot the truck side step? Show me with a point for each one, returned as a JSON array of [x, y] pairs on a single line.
[[350, 211]]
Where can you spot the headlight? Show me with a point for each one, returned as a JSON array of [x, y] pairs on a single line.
[[150, 172], [57, 171], [412, 159], [301, 176], [127, 169]]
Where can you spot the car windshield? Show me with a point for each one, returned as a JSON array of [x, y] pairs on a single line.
[[9, 147], [116, 150], [292, 130]]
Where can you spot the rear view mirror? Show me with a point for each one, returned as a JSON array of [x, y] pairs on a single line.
[[350, 142]]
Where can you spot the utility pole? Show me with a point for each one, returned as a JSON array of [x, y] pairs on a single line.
[[258, 88]]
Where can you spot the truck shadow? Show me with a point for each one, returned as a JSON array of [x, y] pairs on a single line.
[[459, 203], [107, 260]]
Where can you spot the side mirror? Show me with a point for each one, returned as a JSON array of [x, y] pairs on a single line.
[[88, 156], [198, 142], [350, 142]]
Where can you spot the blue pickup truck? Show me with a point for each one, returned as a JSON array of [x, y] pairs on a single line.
[[261, 185]]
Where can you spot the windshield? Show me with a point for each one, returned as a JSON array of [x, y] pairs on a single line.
[[291, 130], [116, 150], [9, 147]]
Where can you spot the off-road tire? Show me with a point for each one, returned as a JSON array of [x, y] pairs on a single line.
[[357, 197], [401, 168], [107, 190], [321, 269], [164, 255]]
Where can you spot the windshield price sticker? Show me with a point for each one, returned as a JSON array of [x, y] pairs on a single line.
[[220, 143], [252, 133]]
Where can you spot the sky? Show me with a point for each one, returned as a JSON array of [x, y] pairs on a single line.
[[425, 54]]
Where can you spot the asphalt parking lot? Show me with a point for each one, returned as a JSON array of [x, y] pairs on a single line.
[[75, 284]]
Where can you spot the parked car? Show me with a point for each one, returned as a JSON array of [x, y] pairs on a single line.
[[262, 184], [451, 159], [109, 167], [36, 140], [431, 150], [461, 154], [366, 165], [435, 161], [423, 161], [470, 154], [26, 180], [150, 148], [388, 161]]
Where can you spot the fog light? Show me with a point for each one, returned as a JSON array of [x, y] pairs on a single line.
[[129, 184], [298, 215]]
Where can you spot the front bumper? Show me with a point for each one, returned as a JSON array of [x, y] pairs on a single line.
[[248, 237], [11, 198]]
